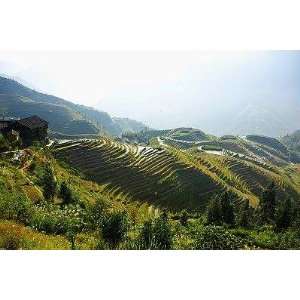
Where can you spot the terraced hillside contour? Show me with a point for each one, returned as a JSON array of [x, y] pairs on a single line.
[[166, 176], [140, 173]]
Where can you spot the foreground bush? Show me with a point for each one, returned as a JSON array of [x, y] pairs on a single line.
[[114, 228], [15, 207], [217, 238], [50, 218], [157, 234]]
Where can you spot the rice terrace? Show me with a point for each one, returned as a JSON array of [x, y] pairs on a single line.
[[75, 177]]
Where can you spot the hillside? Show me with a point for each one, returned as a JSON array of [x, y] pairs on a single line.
[[29, 221], [177, 134], [100, 184], [259, 149], [292, 141], [63, 116], [170, 177]]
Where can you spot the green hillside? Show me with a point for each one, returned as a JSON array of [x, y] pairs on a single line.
[[169, 177], [63, 116], [177, 134], [258, 149], [112, 195]]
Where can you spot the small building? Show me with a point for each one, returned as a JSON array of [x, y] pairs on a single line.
[[28, 129], [31, 129], [5, 125]]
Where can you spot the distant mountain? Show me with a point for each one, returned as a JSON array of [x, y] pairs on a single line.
[[292, 141], [265, 119], [129, 125], [65, 117]]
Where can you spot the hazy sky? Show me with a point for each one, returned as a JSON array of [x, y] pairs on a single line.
[[162, 89]]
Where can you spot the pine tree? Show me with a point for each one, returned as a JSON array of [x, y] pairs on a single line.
[[49, 183], [214, 212], [284, 215], [66, 193], [244, 214], [227, 209], [268, 203]]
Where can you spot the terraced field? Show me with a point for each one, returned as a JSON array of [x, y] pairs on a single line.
[[139, 173], [255, 150], [166, 176]]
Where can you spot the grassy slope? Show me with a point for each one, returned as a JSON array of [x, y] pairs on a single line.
[[17, 181]]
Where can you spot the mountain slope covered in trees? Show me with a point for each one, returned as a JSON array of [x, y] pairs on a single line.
[[63, 116]]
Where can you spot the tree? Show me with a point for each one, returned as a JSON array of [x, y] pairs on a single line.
[[244, 214], [162, 233], [284, 214], [268, 203], [96, 213], [115, 228], [66, 193], [147, 235], [184, 218], [49, 183], [227, 209], [157, 234], [214, 212], [220, 210]]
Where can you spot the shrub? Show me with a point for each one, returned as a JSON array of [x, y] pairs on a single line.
[[157, 234], [49, 183], [184, 218], [244, 214], [4, 145], [96, 214], [284, 215], [115, 228], [51, 219], [214, 212], [227, 209], [217, 238], [147, 235], [66, 193], [268, 204], [220, 210], [15, 207]]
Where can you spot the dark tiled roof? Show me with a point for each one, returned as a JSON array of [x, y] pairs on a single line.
[[33, 122]]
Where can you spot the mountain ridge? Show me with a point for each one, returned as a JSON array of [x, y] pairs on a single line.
[[17, 100]]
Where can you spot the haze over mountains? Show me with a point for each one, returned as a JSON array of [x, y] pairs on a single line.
[[64, 117], [219, 93]]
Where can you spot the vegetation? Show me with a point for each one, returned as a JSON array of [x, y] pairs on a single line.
[[157, 234], [170, 177], [115, 228], [104, 194], [49, 183], [63, 116]]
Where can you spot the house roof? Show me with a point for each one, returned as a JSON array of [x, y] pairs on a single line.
[[33, 122]]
